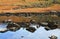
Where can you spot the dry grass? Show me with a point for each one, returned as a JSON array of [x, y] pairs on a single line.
[[7, 5]]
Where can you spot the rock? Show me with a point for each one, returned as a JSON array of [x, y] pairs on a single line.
[[31, 29]]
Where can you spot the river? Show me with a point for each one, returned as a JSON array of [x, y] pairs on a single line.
[[40, 33]]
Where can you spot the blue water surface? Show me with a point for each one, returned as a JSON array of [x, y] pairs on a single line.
[[40, 33]]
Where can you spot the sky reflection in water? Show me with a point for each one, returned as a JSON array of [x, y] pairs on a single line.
[[40, 33]]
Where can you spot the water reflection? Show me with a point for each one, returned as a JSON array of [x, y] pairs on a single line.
[[40, 33]]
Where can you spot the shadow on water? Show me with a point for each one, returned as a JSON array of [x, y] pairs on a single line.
[[23, 33]]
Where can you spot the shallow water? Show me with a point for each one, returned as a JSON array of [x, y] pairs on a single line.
[[40, 33]]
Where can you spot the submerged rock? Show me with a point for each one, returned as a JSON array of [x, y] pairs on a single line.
[[53, 37]]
